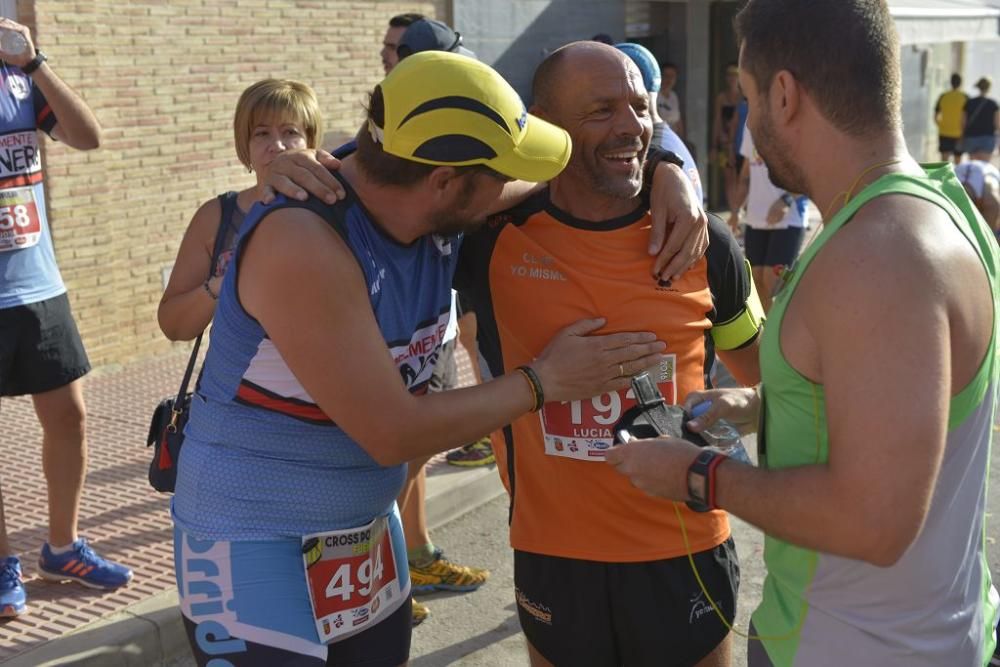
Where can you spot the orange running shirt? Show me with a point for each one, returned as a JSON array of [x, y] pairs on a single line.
[[532, 271]]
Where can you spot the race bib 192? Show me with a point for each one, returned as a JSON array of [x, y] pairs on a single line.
[[582, 429], [20, 226], [353, 579]]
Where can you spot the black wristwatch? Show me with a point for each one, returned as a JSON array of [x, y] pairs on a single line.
[[654, 157], [35, 63], [701, 480]]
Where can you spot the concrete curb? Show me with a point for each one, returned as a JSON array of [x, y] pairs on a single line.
[[147, 633], [454, 491], [152, 632]]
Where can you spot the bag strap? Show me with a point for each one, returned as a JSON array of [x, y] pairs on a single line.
[[228, 203]]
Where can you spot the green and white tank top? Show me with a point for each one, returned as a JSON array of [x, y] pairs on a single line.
[[936, 606]]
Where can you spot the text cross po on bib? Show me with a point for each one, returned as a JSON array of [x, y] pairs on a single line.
[[581, 430], [353, 579]]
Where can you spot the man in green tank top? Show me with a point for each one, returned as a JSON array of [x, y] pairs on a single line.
[[878, 363]]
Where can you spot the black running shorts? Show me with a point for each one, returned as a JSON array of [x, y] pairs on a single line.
[[590, 614], [948, 145], [385, 645], [772, 247], [40, 348]]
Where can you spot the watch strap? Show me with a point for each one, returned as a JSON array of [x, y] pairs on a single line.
[[654, 156], [646, 392], [705, 465], [35, 63]]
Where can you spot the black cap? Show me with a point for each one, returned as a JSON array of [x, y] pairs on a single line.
[[430, 35]]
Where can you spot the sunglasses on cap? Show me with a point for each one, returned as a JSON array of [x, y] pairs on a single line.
[[405, 50]]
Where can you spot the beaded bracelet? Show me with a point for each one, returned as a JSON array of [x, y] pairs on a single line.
[[537, 395]]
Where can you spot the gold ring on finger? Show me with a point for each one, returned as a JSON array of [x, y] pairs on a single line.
[[621, 370]]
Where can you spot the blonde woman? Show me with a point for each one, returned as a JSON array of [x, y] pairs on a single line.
[[272, 116]]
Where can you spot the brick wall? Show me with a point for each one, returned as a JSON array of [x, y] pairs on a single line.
[[163, 79]]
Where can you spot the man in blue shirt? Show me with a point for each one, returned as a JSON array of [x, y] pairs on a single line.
[[40, 349]]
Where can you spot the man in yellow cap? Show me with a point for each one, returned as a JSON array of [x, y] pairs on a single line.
[[430, 570], [288, 541]]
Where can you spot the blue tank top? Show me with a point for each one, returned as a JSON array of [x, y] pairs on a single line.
[[28, 271], [261, 460]]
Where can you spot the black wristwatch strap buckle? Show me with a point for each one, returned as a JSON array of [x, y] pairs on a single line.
[[651, 417], [646, 393]]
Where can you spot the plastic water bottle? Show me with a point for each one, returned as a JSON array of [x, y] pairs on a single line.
[[722, 436], [12, 43]]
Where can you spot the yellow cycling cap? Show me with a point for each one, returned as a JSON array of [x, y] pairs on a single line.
[[447, 109]]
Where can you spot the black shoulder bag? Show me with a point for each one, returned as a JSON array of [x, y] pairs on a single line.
[[166, 428]]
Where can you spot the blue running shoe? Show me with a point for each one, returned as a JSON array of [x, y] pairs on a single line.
[[82, 565], [13, 601]]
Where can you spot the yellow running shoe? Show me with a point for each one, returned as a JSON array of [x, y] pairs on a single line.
[[442, 575], [479, 453], [418, 613]]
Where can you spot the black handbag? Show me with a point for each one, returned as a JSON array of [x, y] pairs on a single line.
[[166, 431], [166, 428]]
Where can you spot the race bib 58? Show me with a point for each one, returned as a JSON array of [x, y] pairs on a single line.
[[20, 226]]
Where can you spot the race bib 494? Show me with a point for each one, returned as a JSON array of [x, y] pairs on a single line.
[[353, 579], [582, 429]]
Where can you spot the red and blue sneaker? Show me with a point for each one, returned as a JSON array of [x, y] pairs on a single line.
[[13, 601], [82, 565]]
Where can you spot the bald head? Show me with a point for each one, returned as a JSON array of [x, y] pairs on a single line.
[[595, 92], [556, 75]]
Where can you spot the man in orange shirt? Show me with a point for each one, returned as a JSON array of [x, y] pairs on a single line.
[[601, 569]]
